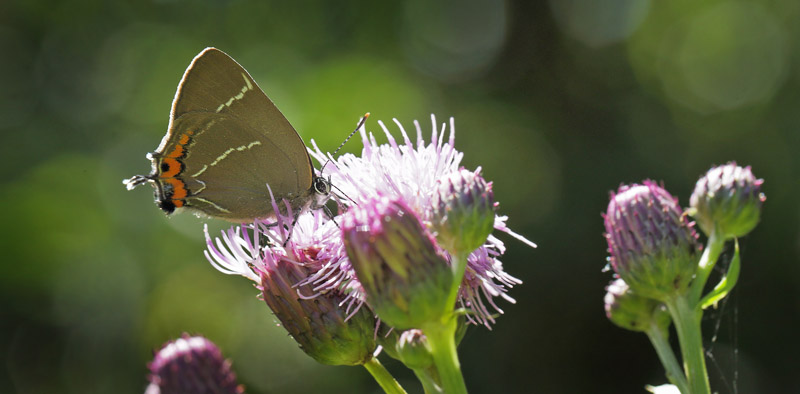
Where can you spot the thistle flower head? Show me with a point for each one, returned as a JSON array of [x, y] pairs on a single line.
[[328, 323], [463, 211], [629, 311], [411, 170], [405, 280], [318, 323], [728, 197], [191, 365], [652, 245]]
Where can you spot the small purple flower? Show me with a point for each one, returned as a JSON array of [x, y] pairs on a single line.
[[191, 365], [406, 280], [729, 197], [652, 245]]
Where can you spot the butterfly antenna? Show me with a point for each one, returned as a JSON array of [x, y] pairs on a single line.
[[344, 194], [360, 123]]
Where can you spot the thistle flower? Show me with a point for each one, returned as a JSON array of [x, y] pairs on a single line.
[[727, 196], [405, 280], [411, 171], [652, 245], [629, 311], [191, 365], [330, 326], [318, 323], [463, 211], [406, 171]]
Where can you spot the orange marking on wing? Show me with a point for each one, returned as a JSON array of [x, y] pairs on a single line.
[[174, 165], [179, 191], [178, 203], [177, 152], [185, 138]]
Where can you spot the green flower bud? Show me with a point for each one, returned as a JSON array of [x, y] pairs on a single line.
[[652, 246], [729, 197], [411, 346], [463, 211], [413, 350], [319, 324], [405, 280], [627, 310]]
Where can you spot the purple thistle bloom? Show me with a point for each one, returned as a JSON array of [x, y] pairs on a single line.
[[407, 171], [412, 172], [730, 197], [651, 243], [191, 365], [313, 241], [329, 325]]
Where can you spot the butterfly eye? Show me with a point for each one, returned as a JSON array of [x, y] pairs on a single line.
[[322, 185]]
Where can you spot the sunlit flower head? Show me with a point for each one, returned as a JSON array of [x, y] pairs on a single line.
[[412, 171], [408, 171], [313, 241], [729, 198]]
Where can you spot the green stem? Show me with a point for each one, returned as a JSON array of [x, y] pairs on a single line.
[[726, 284], [687, 323], [383, 377], [658, 337], [428, 380], [707, 261], [441, 339], [459, 266]]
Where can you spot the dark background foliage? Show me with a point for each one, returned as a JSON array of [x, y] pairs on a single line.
[[558, 101]]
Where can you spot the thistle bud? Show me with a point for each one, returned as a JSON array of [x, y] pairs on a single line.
[[323, 329], [412, 349], [191, 365], [405, 280], [627, 310], [652, 246], [463, 211], [411, 346], [729, 197]]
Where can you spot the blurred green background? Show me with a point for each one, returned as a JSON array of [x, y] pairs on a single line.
[[558, 101]]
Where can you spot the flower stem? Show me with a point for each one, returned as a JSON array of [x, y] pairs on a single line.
[[442, 341], [383, 377], [428, 379], [658, 337], [687, 323], [442, 335], [727, 283], [458, 263], [707, 261]]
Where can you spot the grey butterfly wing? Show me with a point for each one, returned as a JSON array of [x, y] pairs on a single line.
[[240, 142]]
